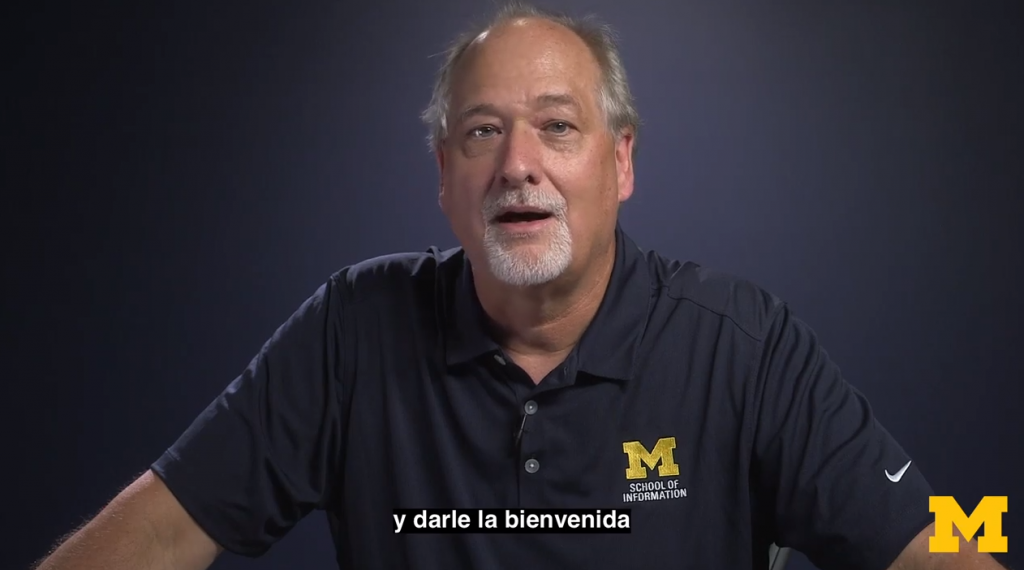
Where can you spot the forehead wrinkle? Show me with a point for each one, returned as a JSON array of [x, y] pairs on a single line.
[[558, 100], [543, 101]]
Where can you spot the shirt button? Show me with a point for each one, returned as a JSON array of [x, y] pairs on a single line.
[[532, 465], [499, 359], [530, 407]]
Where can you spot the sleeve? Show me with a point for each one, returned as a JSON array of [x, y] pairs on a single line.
[[841, 489], [265, 452]]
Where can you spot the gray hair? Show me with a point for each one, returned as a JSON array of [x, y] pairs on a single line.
[[615, 97]]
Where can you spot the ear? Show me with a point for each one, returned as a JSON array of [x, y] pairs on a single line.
[[624, 164], [439, 155]]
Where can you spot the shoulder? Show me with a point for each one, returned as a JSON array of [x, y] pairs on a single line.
[[743, 302], [396, 274]]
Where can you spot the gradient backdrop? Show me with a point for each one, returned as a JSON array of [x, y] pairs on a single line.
[[179, 177]]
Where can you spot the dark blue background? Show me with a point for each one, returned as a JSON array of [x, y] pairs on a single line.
[[179, 177]]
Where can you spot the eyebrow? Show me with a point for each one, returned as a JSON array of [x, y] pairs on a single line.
[[541, 102]]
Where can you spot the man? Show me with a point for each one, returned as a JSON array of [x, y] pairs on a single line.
[[549, 362]]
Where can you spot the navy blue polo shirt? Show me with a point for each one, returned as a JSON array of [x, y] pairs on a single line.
[[694, 398]]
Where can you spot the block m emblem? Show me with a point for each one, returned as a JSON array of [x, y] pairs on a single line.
[[660, 456]]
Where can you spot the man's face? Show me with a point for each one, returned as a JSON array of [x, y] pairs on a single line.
[[531, 177]]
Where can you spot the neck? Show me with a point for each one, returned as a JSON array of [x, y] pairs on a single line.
[[549, 319]]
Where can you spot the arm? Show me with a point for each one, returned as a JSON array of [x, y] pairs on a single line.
[[916, 556], [143, 528], [259, 458], [821, 459]]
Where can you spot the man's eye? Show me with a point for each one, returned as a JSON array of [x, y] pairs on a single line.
[[483, 132], [558, 127]]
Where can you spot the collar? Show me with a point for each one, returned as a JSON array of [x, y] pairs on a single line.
[[607, 348]]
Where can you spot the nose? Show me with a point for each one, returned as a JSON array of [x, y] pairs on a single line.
[[519, 164]]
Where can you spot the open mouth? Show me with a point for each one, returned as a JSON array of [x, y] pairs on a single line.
[[521, 216]]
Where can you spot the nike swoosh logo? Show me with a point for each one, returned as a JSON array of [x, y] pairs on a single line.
[[899, 474]]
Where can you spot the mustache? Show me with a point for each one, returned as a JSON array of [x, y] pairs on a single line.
[[529, 197]]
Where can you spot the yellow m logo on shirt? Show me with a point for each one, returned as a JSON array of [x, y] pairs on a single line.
[[948, 513], [639, 456]]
